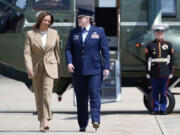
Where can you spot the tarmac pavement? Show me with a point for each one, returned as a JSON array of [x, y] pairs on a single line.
[[128, 117]]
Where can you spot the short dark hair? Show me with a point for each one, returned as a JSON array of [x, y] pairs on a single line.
[[40, 19], [92, 21]]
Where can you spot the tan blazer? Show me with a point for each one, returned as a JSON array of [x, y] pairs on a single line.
[[35, 53]]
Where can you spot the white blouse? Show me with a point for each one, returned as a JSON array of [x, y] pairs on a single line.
[[43, 37]]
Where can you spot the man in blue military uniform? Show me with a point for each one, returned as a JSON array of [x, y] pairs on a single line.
[[87, 57], [159, 68]]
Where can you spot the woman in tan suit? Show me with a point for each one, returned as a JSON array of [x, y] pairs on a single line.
[[42, 60]]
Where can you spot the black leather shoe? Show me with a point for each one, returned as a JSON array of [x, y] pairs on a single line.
[[82, 130], [163, 113], [95, 125]]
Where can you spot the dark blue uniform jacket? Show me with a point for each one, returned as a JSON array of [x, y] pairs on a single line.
[[90, 57]]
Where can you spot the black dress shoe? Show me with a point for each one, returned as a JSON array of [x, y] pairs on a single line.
[[95, 125], [82, 130], [163, 113]]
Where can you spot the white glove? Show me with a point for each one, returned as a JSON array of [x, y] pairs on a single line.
[[147, 76], [170, 76]]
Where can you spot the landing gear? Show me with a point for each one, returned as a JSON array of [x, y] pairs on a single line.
[[145, 88], [148, 102]]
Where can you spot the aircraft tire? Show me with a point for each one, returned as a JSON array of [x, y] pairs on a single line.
[[145, 101], [170, 102]]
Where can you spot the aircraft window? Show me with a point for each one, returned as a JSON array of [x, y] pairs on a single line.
[[168, 8], [11, 21], [21, 3], [51, 5]]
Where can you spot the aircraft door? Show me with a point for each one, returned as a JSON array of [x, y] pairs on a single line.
[[111, 87]]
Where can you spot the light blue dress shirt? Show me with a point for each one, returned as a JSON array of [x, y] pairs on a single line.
[[85, 33]]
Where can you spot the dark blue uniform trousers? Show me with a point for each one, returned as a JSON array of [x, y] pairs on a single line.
[[159, 89], [85, 87]]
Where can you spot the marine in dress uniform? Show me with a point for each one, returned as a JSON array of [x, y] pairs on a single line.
[[159, 68], [87, 57]]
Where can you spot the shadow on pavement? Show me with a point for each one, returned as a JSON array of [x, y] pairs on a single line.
[[36, 131], [134, 112]]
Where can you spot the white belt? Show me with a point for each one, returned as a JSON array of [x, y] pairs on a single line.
[[158, 60]]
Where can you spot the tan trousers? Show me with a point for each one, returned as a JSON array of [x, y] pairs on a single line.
[[43, 86]]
